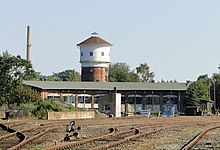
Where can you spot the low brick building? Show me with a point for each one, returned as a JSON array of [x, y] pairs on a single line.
[[135, 96]]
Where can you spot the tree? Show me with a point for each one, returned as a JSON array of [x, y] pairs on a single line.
[[120, 72], [25, 94], [144, 72], [13, 69], [197, 91], [67, 75]]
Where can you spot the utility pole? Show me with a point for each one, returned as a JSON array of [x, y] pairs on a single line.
[[28, 45], [214, 97]]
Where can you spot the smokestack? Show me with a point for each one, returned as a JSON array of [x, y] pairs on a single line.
[[28, 44]]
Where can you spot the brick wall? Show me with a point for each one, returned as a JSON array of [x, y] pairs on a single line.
[[94, 74]]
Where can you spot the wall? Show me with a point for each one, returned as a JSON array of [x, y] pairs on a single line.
[[94, 74], [110, 104], [96, 49], [71, 115]]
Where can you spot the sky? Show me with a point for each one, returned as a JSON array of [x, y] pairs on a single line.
[[178, 39]]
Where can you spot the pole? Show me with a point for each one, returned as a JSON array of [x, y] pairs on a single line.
[[28, 44], [214, 96]]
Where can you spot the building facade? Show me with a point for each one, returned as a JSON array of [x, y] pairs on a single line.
[[135, 96], [94, 59]]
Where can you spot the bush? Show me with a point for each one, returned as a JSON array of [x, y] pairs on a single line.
[[46, 105], [25, 94], [29, 107], [41, 108]]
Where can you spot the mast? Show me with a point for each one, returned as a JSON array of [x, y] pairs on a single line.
[[28, 44]]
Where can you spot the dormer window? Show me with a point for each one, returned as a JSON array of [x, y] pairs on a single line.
[[91, 53]]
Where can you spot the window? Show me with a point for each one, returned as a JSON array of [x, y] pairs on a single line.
[[102, 54], [91, 53], [107, 107], [81, 53], [91, 69]]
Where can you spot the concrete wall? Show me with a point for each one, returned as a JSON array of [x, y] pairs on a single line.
[[71, 115], [111, 101], [104, 101], [117, 104]]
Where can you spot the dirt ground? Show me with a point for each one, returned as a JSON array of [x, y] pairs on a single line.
[[173, 132]]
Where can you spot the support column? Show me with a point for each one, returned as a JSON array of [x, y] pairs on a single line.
[[76, 100], [143, 101], [179, 103], [117, 104], [161, 101], [135, 105], [126, 103], [93, 101]]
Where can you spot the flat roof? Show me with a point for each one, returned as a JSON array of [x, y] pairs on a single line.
[[107, 86]]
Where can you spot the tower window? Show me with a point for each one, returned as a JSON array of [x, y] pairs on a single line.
[[91, 53], [81, 53], [102, 53]]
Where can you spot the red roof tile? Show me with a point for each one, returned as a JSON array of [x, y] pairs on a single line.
[[94, 40]]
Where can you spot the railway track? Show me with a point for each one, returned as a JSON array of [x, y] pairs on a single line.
[[109, 140], [199, 137], [23, 138], [103, 141], [46, 134]]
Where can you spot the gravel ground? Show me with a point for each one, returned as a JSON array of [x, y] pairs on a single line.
[[175, 131], [210, 141]]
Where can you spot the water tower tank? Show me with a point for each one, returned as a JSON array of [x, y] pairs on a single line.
[[94, 59]]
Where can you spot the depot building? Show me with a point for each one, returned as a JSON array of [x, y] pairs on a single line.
[[95, 92]]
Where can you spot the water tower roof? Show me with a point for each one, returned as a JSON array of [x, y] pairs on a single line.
[[94, 39]]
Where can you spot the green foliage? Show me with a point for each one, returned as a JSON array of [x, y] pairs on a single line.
[[50, 105], [67, 75], [197, 91], [69, 108], [25, 94], [120, 72], [29, 107], [144, 72], [13, 69], [43, 106]]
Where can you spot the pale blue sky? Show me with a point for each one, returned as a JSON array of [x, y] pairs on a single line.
[[179, 39]]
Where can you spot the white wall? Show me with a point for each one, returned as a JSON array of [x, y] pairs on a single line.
[[97, 56], [117, 106]]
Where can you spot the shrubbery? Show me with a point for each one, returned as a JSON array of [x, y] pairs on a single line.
[[50, 105], [40, 108]]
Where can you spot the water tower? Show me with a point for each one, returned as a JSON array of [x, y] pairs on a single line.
[[94, 59]]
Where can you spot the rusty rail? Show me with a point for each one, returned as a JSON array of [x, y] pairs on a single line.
[[111, 144], [75, 143], [197, 138], [113, 134], [126, 139], [24, 130], [26, 141]]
